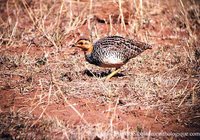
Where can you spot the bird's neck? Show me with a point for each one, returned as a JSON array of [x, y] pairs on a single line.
[[89, 50], [89, 58]]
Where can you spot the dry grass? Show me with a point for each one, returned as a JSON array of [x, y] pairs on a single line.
[[46, 93]]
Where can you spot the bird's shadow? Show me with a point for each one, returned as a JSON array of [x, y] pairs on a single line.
[[101, 74]]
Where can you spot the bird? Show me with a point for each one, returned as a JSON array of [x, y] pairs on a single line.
[[111, 51]]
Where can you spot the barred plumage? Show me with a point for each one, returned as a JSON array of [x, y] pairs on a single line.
[[111, 51]]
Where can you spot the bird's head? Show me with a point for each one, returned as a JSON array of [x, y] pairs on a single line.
[[85, 45]]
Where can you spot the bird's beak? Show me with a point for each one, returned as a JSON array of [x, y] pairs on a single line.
[[72, 45], [77, 46]]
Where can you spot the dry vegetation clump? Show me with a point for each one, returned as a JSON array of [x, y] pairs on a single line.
[[18, 126], [48, 91]]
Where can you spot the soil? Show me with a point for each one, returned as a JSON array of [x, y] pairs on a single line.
[[49, 91]]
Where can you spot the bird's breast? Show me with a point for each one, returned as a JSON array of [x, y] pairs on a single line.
[[106, 60], [112, 59]]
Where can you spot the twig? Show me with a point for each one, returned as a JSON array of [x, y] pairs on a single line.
[[175, 84], [48, 102], [184, 96]]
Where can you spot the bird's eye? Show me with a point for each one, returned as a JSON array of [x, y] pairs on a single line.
[[80, 43]]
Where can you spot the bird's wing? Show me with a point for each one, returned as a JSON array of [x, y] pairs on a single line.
[[117, 43]]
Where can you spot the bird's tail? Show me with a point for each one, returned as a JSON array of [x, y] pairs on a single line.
[[145, 46]]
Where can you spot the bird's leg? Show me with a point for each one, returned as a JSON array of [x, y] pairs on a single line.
[[112, 74]]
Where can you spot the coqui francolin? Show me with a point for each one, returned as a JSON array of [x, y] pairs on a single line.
[[111, 51]]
